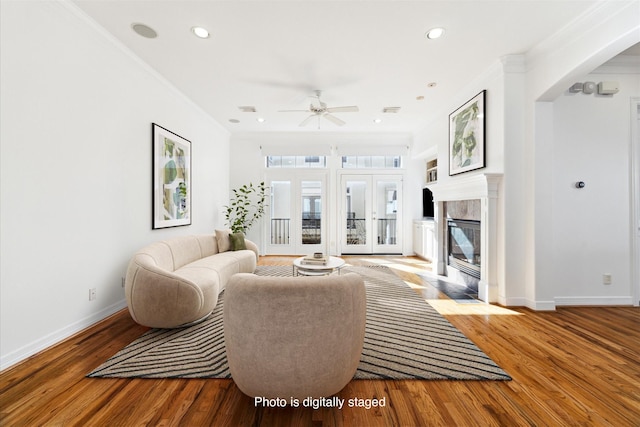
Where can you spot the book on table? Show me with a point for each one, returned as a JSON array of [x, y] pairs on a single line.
[[312, 260]]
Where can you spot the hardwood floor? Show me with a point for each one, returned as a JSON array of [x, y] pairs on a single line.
[[575, 366]]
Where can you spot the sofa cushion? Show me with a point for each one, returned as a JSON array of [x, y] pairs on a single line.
[[246, 260], [206, 278], [223, 265], [237, 242], [185, 249], [224, 242], [165, 303], [158, 254], [208, 244]]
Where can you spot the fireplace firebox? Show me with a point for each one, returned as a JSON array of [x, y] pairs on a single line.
[[464, 246]]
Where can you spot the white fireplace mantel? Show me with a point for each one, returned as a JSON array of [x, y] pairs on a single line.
[[486, 188], [470, 187]]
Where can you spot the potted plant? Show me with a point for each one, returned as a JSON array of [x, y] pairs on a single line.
[[246, 207]]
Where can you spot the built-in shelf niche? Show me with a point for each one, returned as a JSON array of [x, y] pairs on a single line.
[[432, 170]]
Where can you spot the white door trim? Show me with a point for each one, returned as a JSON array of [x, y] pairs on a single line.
[[634, 168]]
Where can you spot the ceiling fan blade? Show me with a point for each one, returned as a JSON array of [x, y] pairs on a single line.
[[346, 109], [334, 119], [293, 111], [307, 120]]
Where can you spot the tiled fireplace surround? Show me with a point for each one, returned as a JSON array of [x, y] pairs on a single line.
[[484, 188]]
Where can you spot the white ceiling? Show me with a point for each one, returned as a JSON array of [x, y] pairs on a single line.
[[373, 54]]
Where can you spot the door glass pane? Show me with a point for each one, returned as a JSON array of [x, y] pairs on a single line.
[[355, 208], [280, 212], [311, 212], [386, 212]]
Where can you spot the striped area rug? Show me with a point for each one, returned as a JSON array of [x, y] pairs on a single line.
[[405, 338]]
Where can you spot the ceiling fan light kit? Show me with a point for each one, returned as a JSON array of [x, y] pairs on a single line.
[[321, 110]]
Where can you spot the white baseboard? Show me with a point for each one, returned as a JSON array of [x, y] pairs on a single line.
[[586, 301], [542, 305], [55, 337], [513, 301], [569, 301]]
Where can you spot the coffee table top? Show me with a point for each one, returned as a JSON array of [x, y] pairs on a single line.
[[333, 262]]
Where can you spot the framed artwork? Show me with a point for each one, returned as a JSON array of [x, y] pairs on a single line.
[[466, 136], [171, 179]]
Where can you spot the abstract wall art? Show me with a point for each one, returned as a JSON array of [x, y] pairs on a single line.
[[171, 179], [467, 136]]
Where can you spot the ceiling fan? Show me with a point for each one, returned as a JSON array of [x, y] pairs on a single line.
[[320, 110]]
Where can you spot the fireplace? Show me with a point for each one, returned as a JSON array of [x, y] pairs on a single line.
[[487, 189], [464, 246]]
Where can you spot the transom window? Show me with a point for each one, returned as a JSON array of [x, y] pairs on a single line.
[[371, 162], [296, 161]]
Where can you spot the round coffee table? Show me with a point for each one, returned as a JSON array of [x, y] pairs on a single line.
[[333, 263]]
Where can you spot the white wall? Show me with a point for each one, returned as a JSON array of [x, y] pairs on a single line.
[[436, 133], [552, 67], [591, 227], [76, 113]]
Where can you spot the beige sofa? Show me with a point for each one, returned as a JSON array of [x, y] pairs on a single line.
[[294, 336], [176, 282]]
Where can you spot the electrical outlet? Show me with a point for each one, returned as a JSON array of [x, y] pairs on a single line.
[[92, 294], [606, 279]]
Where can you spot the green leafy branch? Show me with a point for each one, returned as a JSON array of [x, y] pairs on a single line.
[[247, 206]]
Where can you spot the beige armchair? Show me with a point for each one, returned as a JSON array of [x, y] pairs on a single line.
[[294, 336]]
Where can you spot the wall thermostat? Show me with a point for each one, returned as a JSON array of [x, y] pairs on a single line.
[[588, 87]]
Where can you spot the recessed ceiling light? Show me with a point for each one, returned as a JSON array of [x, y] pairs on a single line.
[[432, 84], [234, 121], [377, 121], [419, 98], [144, 30], [434, 33], [260, 120], [200, 32]]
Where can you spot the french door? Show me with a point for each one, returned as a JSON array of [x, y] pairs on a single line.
[[371, 214], [297, 219]]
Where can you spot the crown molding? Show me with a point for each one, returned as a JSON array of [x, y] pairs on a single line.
[[588, 22], [514, 63]]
